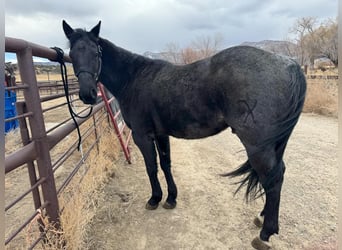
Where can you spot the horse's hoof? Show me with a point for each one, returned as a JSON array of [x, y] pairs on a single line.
[[151, 207], [258, 221], [168, 205], [259, 244]]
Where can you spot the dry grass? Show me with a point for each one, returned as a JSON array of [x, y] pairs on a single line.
[[12, 141], [322, 97], [80, 200]]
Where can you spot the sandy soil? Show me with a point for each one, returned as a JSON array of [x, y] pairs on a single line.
[[208, 215]]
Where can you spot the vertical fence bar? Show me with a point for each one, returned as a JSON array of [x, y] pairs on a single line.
[[25, 138], [31, 94], [96, 133]]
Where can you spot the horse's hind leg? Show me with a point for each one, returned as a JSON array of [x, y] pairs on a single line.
[[163, 146], [148, 150], [270, 171], [259, 219]]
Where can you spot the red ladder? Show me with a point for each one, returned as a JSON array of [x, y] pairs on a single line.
[[117, 121]]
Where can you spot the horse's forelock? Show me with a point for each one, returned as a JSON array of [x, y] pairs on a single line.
[[79, 34]]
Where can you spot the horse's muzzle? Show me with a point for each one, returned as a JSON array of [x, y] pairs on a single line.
[[89, 96]]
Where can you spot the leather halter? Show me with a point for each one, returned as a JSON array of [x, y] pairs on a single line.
[[99, 66]]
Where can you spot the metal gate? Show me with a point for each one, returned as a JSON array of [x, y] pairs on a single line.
[[122, 131]]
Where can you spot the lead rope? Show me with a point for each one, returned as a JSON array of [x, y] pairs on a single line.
[[60, 59]]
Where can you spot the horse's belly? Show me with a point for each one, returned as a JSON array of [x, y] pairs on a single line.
[[197, 131], [190, 121]]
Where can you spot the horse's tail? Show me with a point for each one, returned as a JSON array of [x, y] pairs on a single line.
[[278, 140], [250, 180]]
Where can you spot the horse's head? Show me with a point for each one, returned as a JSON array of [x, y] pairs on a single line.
[[85, 53]]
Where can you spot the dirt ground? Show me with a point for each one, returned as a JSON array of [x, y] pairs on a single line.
[[208, 215]]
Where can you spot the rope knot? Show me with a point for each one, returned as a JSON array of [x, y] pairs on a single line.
[[59, 56]]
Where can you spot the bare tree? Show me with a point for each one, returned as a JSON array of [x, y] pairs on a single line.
[[189, 55], [290, 48], [302, 28], [325, 41], [201, 47], [207, 45], [314, 41], [172, 53]]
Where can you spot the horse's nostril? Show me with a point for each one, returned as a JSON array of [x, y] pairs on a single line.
[[93, 93]]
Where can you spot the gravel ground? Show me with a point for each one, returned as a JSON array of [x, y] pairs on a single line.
[[208, 215]]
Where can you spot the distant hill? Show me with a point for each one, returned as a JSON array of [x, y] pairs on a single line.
[[40, 67], [46, 64], [155, 55], [280, 47]]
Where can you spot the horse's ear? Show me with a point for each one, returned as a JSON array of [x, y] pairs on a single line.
[[68, 31], [96, 29]]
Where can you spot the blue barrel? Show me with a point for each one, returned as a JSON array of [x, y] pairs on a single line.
[[10, 110]]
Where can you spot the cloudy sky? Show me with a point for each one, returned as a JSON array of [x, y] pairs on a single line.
[[149, 25]]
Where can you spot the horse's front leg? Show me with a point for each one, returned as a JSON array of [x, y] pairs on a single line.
[[163, 146], [147, 148]]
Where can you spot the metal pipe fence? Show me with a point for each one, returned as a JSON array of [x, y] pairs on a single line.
[[38, 140]]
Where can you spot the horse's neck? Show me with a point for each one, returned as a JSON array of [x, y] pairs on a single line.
[[119, 67]]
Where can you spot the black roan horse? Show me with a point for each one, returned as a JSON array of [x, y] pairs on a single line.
[[258, 94]]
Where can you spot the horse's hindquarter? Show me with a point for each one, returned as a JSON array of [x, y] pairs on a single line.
[[262, 91]]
